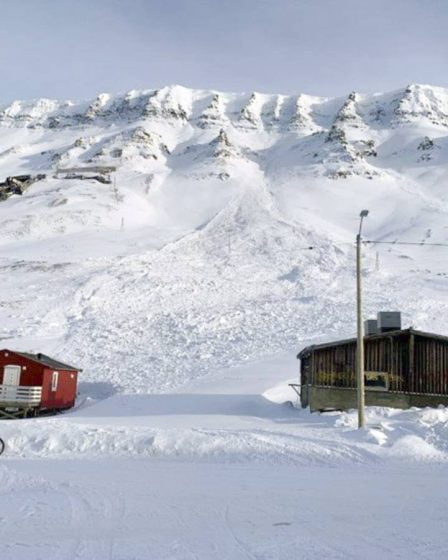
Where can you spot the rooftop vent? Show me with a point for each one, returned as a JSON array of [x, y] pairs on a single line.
[[388, 321], [370, 326]]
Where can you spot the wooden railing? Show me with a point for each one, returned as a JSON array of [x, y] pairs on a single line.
[[20, 395]]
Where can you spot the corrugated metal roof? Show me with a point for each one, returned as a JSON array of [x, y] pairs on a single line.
[[313, 347], [47, 361]]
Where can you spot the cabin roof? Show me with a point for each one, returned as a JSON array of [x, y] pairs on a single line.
[[47, 361], [309, 349]]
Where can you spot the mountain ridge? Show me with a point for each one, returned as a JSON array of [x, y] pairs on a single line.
[[177, 102]]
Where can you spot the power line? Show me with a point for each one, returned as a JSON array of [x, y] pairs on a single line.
[[419, 243]]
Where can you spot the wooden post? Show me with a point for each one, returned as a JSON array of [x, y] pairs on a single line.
[[411, 373]]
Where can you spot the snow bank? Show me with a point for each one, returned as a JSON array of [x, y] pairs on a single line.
[[235, 433]]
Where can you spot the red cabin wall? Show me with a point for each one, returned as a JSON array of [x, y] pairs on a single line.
[[65, 394], [32, 372], [38, 375]]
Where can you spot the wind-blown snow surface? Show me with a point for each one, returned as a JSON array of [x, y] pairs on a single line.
[[223, 468], [194, 261], [195, 256]]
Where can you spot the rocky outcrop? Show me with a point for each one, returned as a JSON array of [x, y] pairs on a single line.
[[301, 117], [213, 114], [135, 143], [222, 148], [98, 107], [18, 184], [343, 153], [31, 114], [249, 116], [421, 103], [166, 104], [343, 158], [427, 147], [348, 114]]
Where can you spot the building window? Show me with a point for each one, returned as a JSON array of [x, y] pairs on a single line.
[[54, 381], [376, 380]]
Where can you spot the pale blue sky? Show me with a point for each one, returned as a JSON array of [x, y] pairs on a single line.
[[77, 48]]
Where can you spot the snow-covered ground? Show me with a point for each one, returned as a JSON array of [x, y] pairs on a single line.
[[184, 289], [224, 468], [140, 510]]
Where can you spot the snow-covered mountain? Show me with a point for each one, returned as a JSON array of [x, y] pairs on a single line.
[[166, 232]]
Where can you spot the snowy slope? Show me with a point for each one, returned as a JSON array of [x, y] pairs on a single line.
[[184, 289], [195, 255]]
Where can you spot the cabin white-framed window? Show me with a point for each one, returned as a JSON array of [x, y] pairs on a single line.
[[54, 381]]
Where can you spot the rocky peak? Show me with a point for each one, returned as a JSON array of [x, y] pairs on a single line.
[[342, 146], [168, 103], [301, 118], [130, 106], [419, 102], [97, 106], [29, 113], [213, 114], [250, 113], [348, 114], [343, 157], [223, 149]]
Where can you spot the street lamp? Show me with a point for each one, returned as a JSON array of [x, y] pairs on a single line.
[[360, 340]]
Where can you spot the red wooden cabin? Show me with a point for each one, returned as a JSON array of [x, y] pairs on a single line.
[[33, 383]]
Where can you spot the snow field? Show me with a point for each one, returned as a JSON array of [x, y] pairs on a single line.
[[174, 286]]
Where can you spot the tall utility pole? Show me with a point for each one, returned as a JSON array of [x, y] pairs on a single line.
[[360, 328]]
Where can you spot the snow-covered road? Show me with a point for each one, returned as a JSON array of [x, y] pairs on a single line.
[[147, 509]]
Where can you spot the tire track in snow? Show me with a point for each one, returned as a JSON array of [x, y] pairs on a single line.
[[98, 518]]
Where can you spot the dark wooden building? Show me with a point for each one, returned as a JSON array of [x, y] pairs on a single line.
[[403, 368], [35, 383]]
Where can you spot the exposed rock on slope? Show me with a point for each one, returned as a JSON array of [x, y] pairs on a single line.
[[213, 114], [301, 119], [250, 113], [418, 103]]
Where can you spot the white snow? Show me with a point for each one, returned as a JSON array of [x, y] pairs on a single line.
[[219, 468], [184, 289]]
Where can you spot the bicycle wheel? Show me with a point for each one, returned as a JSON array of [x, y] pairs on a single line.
[[2, 446]]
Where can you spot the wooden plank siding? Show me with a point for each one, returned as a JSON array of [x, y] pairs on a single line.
[[430, 367], [414, 362]]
